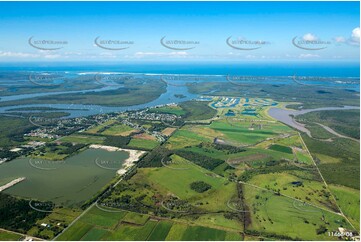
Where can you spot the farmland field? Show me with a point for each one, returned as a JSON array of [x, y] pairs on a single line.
[[348, 199], [124, 225], [9, 236], [226, 171], [180, 120], [143, 143]]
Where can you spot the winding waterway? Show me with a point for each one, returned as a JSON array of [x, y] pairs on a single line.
[[81, 110], [284, 115]]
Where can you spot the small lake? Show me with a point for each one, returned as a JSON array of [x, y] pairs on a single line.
[[69, 182]]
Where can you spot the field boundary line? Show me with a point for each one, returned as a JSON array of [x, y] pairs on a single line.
[[333, 197], [74, 221], [85, 211]]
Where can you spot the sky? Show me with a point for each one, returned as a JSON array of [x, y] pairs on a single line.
[[179, 31]]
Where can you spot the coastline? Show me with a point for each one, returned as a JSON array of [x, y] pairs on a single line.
[[134, 156]]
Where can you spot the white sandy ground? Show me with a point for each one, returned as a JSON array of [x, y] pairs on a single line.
[[134, 156], [12, 183]]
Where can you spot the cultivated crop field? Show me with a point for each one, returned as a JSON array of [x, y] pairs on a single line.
[[229, 176]]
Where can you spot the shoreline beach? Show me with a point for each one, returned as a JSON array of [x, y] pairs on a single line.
[[134, 156]]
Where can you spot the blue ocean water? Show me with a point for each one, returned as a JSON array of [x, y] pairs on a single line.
[[325, 69]]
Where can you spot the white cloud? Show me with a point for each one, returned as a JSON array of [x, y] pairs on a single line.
[[355, 37], [356, 33], [108, 55], [353, 40], [161, 54], [309, 37], [73, 53], [308, 56], [52, 56], [340, 39], [179, 53], [251, 56], [18, 54]]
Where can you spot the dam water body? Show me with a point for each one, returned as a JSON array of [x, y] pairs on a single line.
[[68, 182]]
